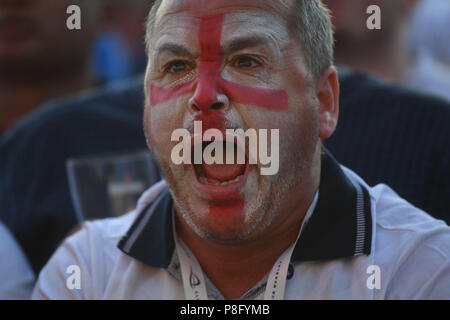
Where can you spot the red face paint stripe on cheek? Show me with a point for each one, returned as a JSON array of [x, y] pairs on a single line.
[[276, 100], [159, 95], [208, 83]]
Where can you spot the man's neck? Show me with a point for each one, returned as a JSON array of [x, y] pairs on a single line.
[[19, 98], [235, 269]]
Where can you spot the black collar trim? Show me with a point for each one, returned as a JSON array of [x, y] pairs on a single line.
[[340, 226], [150, 238]]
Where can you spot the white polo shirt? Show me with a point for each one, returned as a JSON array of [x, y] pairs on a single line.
[[359, 243]]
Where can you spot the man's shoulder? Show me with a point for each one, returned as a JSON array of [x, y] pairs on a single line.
[[94, 250], [90, 254], [109, 230], [411, 229], [396, 219], [411, 247], [393, 213], [100, 237], [97, 238]]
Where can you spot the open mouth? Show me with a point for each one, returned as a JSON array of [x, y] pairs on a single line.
[[217, 174]]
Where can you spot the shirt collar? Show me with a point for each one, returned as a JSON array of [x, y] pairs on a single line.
[[340, 226]]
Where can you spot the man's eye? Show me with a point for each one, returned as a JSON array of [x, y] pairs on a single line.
[[177, 67], [246, 62]]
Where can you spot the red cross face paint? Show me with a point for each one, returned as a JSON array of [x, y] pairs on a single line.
[[209, 83], [231, 67], [206, 87]]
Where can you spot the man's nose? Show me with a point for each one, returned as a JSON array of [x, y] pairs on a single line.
[[208, 96]]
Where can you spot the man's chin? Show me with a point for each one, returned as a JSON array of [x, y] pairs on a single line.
[[226, 214], [230, 222]]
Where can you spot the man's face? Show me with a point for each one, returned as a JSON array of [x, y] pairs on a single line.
[[213, 61]]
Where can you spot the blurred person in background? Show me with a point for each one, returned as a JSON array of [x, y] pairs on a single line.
[[40, 58], [430, 43], [35, 202], [16, 277], [386, 52], [118, 52], [430, 29]]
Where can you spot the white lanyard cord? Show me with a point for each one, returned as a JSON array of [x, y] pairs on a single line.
[[276, 283], [191, 273], [194, 282]]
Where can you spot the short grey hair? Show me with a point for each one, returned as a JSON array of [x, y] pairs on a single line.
[[310, 20]]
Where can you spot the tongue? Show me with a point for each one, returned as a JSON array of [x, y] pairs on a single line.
[[223, 172]]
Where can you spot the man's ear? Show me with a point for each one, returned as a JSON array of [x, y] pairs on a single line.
[[328, 96]]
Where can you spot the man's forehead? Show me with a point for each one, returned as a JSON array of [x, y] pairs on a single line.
[[205, 7], [176, 18]]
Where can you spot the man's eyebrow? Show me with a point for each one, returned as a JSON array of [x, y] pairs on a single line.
[[175, 49], [246, 42]]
